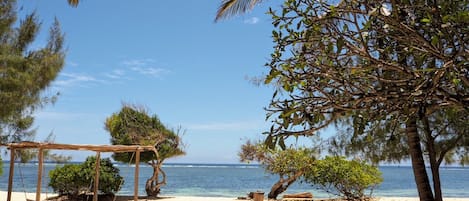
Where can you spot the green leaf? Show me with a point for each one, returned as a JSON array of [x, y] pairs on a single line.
[[435, 40], [425, 20]]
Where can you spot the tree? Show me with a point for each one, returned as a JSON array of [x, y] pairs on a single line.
[[346, 178], [73, 3], [133, 125], [25, 72], [444, 137], [289, 163], [230, 8], [397, 62]]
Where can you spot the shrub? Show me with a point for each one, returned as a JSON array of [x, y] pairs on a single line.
[[109, 178], [68, 179], [74, 179], [348, 179]]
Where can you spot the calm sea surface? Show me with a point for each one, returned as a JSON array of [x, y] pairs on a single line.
[[237, 180]]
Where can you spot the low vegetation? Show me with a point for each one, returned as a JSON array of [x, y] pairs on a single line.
[[349, 179], [74, 180]]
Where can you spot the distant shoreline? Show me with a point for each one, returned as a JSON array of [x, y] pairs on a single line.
[[6, 163], [22, 195]]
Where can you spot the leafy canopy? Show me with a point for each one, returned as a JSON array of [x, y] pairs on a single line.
[[362, 59], [133, 126]]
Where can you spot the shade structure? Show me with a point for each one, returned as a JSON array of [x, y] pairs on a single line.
[[54, 146]]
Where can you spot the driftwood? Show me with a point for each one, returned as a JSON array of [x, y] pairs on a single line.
[[299, 195]]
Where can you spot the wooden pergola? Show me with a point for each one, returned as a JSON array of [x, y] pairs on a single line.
[[96, 148]]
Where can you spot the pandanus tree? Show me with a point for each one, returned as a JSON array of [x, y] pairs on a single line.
[[132, 125], [404, 63]]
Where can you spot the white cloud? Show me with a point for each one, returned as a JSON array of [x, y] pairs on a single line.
[[138, 62], [252, 20], [72, 79], [71, 63], [115, 74], [150, 71], [145, 67]]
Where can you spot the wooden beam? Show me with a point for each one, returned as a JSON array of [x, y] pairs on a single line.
[[10, 176], [40, 158], [96, 148], [96, 176], [137, 164]]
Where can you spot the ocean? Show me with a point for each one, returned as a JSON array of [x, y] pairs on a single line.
[[224, 180]]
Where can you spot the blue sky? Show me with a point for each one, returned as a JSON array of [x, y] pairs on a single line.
[[169, 56]]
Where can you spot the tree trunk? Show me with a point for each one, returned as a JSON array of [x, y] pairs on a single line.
[[434, 164], [282, 185], [153, 185], [418, 163]]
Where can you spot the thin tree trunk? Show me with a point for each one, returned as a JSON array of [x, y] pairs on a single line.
[[418, 163], [279, 187], [434, 164], [153, 185], [152, 182]]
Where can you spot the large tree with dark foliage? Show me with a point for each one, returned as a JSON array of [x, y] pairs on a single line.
[[25, 72], [132, 125], [401, 64]]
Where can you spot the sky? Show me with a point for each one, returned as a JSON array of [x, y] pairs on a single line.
[[169, 56]]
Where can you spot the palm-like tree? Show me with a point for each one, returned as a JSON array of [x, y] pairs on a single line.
[[229, 8], [73, 3]]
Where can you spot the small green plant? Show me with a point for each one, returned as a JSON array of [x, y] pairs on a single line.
[[348, 179], [75, 179]]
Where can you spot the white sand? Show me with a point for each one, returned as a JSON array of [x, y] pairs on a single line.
[[417, 199], [20, 196]]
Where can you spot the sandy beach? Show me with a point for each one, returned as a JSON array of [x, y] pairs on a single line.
[[20, 196]]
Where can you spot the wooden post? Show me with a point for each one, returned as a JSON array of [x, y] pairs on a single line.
[[10, 176], [137, 164], [40, 159], [96, 176]]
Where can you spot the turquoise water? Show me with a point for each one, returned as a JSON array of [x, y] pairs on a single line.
[[237, 180]]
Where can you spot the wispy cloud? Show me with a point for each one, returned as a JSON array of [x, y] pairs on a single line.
[[252, 20], [115, 74], [73, 79], [138, 62], [145, 67], [150, 71], [223, 126], [71, 63]]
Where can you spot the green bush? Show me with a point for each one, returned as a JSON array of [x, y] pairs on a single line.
[[348, 179], [109, 178], [68, 179], [74, 179]]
